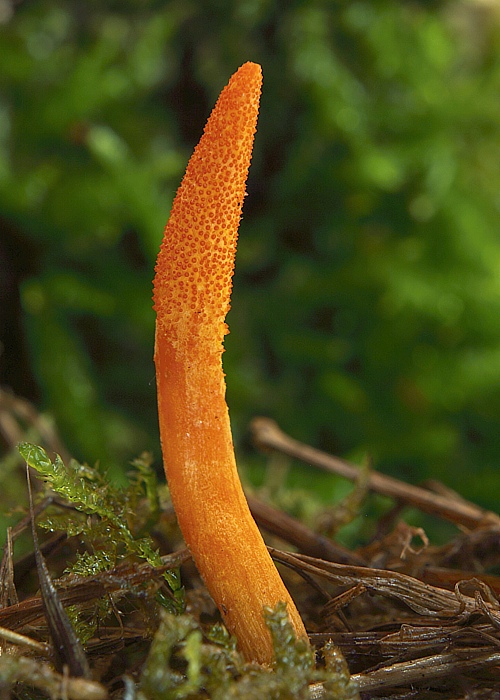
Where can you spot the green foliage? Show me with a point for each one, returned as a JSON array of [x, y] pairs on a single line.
[[114, 534], [366, 301], [180, 665]]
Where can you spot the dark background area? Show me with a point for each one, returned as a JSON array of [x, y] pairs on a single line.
[[366, 297]]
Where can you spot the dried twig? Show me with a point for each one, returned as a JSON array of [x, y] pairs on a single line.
[[418, 596], [57, 686], [296, 533], [267, 435], [425, 670], [68, 650], [75, 590]]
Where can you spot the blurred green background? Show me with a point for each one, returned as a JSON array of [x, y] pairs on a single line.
[[366, 305]]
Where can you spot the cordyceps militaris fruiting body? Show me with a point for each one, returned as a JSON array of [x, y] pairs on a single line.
[[192, 290]]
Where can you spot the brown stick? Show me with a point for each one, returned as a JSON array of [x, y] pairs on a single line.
[[415, 671], [267, 435], [293, 531]]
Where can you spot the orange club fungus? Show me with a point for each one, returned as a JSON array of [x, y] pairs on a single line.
[[192, 289]]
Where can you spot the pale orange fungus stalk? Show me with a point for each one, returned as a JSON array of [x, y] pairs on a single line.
[[192, 290]]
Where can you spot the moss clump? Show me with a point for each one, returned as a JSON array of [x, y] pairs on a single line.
[[119, 516], [181, 665]]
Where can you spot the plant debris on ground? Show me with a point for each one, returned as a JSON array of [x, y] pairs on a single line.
[[395, 618]]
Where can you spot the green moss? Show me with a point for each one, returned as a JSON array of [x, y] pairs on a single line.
[[123, 514], [181, 665]]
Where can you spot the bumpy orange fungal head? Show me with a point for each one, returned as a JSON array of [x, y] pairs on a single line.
[[194, 268]]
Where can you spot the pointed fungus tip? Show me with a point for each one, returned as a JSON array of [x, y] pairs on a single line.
[[195, 265]]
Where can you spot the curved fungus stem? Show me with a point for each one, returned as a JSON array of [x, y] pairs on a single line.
[[192, 289]]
